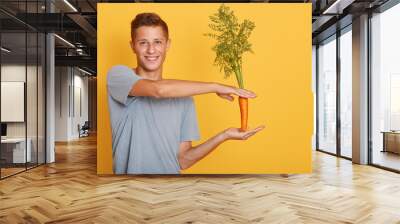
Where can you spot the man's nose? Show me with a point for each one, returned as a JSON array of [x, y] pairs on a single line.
[[150, 48]]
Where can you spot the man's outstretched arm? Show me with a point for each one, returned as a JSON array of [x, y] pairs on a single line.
[[181, 88], [189, 155]]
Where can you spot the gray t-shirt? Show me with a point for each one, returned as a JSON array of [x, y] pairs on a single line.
[[146, 131]]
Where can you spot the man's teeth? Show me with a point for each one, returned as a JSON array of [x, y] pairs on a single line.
[[152, 58]]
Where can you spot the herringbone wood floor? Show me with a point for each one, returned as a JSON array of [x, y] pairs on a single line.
[[69, 191]]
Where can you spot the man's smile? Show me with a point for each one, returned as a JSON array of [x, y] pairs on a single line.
[[151, 58]]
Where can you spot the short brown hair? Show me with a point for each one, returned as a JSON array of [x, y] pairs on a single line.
[[148, 19]]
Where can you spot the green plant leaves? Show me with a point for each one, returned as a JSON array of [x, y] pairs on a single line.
[[231, 41]]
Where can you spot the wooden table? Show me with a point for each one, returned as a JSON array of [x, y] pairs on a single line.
[[13, 150], [391, 141]]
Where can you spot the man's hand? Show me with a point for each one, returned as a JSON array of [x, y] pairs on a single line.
[[226, 92], [189, 155], [236, 134]]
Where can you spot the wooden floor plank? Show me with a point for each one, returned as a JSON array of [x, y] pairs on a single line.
[[70, 191]]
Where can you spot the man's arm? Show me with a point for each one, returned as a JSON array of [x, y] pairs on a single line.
[[189, 155], [181, 88]]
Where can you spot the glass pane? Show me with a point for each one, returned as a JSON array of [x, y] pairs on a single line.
[[314, 78], [16, 8], [32, 84], [346, 94], [386, 89], [41, 98], [32, 96], [13, 86], [327, 96], [22, 87]]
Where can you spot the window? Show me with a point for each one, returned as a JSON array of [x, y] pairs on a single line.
[[22, 66], [385, 88], [346, 93], [327, 95]]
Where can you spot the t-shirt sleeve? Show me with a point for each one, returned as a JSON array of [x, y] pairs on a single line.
[[120, 80], [189, 130]]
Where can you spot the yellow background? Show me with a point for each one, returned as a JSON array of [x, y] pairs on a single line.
[[279, 72]]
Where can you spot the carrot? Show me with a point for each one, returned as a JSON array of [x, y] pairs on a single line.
[[243, 105], [232, 42]]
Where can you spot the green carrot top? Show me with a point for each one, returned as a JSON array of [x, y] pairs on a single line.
[[232, 41]]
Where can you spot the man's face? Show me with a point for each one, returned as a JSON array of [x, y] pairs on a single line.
[[150, 45]]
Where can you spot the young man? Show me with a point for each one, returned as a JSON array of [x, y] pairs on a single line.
[[153, 119]]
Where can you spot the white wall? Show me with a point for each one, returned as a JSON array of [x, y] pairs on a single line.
[[15, 72], [61, 103], [80, 100], [71, 93]]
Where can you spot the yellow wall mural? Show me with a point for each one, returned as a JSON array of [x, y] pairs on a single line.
[[279, 72]]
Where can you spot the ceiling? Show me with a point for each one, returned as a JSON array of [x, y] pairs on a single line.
[[76, 22]]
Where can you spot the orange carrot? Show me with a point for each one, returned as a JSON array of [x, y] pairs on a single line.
[[225, 25], [243, 113]]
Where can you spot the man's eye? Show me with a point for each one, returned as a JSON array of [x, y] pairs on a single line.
[[143, 43], [158, 42]]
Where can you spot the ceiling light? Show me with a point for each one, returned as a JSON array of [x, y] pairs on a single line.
[[84, 71], [70, 5], [5, 49], [338, 6], [65, 41]]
